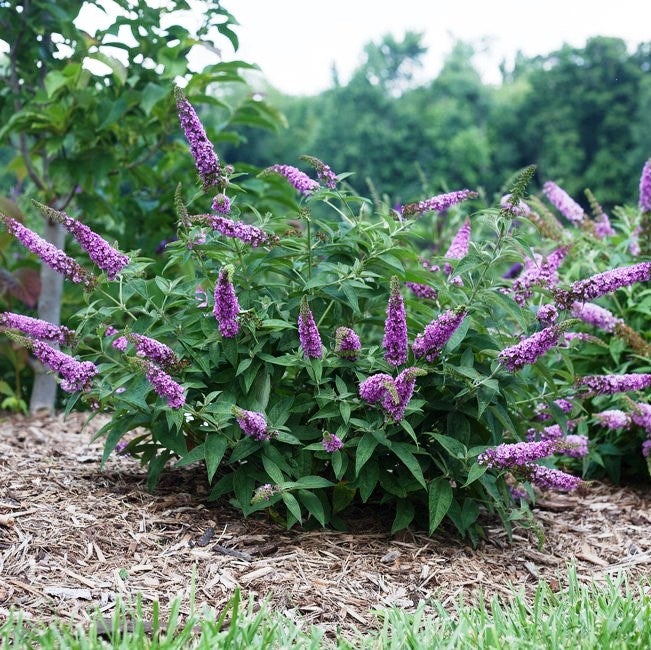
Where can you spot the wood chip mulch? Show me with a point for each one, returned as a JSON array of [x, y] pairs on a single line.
[[74, 537]]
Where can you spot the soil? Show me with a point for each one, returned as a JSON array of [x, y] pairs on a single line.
[[75, 536]]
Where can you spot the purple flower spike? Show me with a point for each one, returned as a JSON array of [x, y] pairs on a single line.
[[513, 455], [37, 329], [201, 148], [393, 396], [614, 419], [120, 343], [422, 290], [520, 209], [395, 327], [564, 203], [325, 175], [299, 180], [165, 386], [539, 270], [547, 314], [374, 388], [459, 246], [75, 375], [331, 442], [438, 203], [603, 283], [237, 230], [595, 315], [347, 343], [226, 307], [573, 445], [153, 350], [646, 448], [611, 384], [641, 415], [432, 340], [55, 258], [645, 187], [547, 478], [252, 423], [221, 204], [308, 333], [528, 350], [404, 383]]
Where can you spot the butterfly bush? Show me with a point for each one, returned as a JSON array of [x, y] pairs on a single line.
[[564, 203], [347, 343], [308, 332], [395, 327], [227, 307], [37, 328]]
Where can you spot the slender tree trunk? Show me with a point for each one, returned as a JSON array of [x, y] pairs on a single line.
[[49, 308]]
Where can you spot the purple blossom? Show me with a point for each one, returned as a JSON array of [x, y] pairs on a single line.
[[438, 203], [308, 332], [201, 148], [611, 384], [520, 209], [614, 419], [221, 204], [374, 388], [252, 423], [395, 327], [595, 315], [459, 246], [422, 290], [154, 350], [514, 271], [404, 383], [573, 445], [646, 448], [541, 271], [602, 227], [518, 493], [299, 180], [226, 307], [36, 328], [552, 432], [547, 314], [238, 230], [542, 410], [432, 340], [264, 493], [603, 283], [569, 337], [513, 455], [120, 343], [165, 386], [528, 350], [55, 258], [325, 175], [564, 203], [331, 442], [347, 343], [548, 478], [110, 331], [393, 396], [641, 415], [645, 187], [75, 375]]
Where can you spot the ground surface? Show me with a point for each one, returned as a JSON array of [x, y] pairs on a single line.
[[74, 536]]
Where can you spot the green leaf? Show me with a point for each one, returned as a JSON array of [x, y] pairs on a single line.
[[215, 448], [151, 95], [455, 448], [313, 504], [365, 448], [273, 471], [342, 496], [192, 456], [403, 451], [476, 471], [404, 515], [368, 480], [440, 498], [310, 483], [55, 80], [155, 468], [116, 66], [292, 505]]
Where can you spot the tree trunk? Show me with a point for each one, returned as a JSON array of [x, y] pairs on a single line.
[[49, 309]]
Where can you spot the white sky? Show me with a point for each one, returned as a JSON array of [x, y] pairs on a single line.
[[295, 42]]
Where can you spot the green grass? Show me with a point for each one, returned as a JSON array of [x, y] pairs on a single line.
[[614, 615]]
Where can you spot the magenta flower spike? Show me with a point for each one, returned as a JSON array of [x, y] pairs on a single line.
[[432, 340], [422, 290], [226, 307], [513, 455], [154, 350], [331, 442], [645, 187], [547, 478], [37, 328], [347, 343], [299, 180], [75, 375], [250, 235], [202, 150], [221, 204], [395, 327], [252, 423], [392, 396], [603, 283], [611, 384], [614, 419], [459, 247], [438, 203], [595, 315], [528, 350], [164, 385], [55, 258], [539, 270], [324, 173], [564, 203], [641, 415], [308, 332]]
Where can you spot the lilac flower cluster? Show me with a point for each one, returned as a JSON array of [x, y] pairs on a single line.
[[238, 230], [538, 271], [37, 328], [520, 209], [548, 478], [393, 396], [645, 187], [552, 432], [226, 307], [299, 180], [395, 327], [252, 423], [438, 203], [264, 493], [542, 410], [459, 246], [422, 290], [614, 419], [347, 343], [308, 332], [75, 375], [164, 385], [564, 203], [602, 227], [611, 384], [603, 283], [331, 442], [324, 173], [201, 148], [547, 314], [221, 204], [528, 350], [153, 350], [55, 258], [646, 448], [120, 343], [573, 445], [641, 415], [513, 455], [595, 315], [432, 340]]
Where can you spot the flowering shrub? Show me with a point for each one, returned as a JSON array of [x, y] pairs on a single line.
[[307, 349]]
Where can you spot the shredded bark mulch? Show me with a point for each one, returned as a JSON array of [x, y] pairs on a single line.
[[74, 537]]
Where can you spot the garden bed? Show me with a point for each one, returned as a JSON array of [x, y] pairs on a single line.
[[74, 536]]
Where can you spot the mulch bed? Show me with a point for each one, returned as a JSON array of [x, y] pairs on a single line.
[[74, 537]]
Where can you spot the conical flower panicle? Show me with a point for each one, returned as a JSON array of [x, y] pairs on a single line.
[[432, 340], [645, 187], [299, 180], [75, 375], [564, 203], [155, 351], [395, 327], [252, 423], [308, 332], [602, 227], [459, 247], [227, 307], [611, 384], [347, 343], [37, 328], [528, 350], [164, 385], [324, 173], [438, 203], [246, 233]]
